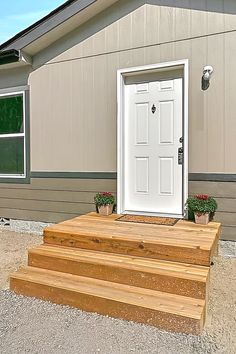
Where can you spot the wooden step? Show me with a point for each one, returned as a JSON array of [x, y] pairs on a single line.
[[171, 277], [193, 245], [166, 311]]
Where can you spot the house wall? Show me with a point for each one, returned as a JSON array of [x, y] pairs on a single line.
[[73, 103], [84, 79], [58, 199], [51, 199]]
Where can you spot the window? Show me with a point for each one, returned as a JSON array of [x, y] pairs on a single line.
[[12, 135]]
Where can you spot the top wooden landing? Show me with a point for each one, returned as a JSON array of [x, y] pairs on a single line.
[[183, 242]]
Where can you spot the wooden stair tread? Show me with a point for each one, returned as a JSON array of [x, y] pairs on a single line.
[[140, 228], [173, 269], [144, 298], [190, 225], [181, 224]]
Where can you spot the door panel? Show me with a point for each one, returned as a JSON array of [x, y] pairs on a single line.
[[166, 176], [152, 130], [142, 175], [166, 122], [141, 123]]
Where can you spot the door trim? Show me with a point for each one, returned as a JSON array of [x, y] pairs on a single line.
[[121, 74]]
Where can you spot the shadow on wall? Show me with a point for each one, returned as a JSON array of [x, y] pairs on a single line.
[[121, 9], [14, 77]]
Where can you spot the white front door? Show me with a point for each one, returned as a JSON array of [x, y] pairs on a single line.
[[153, 134]]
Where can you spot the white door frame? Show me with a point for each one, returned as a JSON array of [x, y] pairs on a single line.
[[121, 74]]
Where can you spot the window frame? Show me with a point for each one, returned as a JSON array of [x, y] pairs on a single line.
[[18, 178]]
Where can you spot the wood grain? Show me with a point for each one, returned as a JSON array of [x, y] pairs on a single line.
[[184, 242], [176, 278], [167, 311], [151, 274]]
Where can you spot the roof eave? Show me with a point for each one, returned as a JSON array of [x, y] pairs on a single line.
[[14, 58], [9, 56], [46, 24]]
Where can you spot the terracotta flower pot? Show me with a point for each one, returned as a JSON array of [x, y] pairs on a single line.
[[201, 218], [105, 209]]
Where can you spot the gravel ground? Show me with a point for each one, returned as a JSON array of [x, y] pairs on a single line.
[[13, 252], [33, 326]]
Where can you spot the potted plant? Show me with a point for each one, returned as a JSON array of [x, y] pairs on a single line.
[[104, 203], [203, 208]]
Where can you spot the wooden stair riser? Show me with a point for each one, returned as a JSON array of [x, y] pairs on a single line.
[[127, 246], [124, 275], [104, 306]]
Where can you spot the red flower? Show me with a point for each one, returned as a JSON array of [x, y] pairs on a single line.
[[202, 196]]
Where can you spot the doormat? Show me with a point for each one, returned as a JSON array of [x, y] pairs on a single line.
[[148, 219]]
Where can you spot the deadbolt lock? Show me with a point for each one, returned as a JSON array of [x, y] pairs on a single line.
[[180, 156]]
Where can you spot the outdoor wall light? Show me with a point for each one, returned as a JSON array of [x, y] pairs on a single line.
[[207, 73]]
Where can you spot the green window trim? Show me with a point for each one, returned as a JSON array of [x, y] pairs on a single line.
[[13, 130]]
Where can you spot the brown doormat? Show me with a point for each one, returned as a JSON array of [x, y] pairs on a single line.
[[148, 219]]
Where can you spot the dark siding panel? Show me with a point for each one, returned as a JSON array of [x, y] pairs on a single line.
[[47, 195], [31, 215], [41, 205], [55, 200], [227, 219], [225, 194], [51, 200], [216, 189], [226, 204], [228, 233]]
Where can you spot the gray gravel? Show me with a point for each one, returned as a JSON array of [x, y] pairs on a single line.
[[33, 326], [32, 227], [13, 252], [227, 249]]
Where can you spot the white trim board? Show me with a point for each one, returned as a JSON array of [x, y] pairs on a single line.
[[121, 74]]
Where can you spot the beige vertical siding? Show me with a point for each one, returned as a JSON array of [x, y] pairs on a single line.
[[129, 24], [73, 96]]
